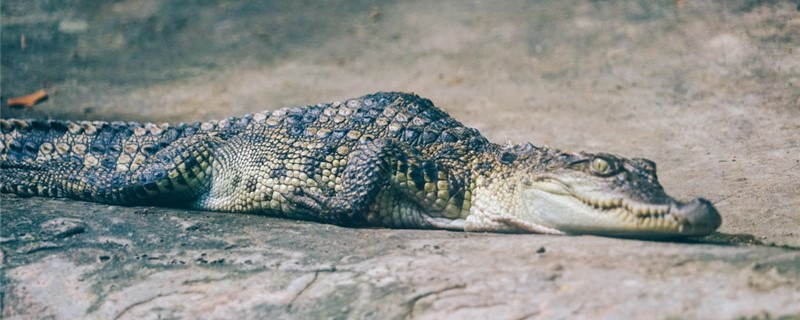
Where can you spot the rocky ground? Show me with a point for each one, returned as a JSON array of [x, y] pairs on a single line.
[[707, 89]]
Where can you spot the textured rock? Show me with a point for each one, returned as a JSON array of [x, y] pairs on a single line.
[[148, 263]]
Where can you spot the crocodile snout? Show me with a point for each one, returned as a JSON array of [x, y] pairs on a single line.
[[699, 217]]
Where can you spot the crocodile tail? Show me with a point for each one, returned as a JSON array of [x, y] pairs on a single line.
[[87, 160]]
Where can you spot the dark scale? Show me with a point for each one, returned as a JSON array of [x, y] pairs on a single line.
[[278, 171], [102, 141]]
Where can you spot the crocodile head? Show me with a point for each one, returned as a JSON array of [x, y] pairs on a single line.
[[601, 194]]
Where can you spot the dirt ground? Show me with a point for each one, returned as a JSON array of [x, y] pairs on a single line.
[[710, 90]]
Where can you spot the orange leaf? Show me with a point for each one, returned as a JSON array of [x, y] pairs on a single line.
[[27, 101]]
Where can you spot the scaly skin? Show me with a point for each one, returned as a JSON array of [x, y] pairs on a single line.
[[387, 159]]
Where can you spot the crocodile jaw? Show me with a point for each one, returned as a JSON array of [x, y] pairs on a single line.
[[553, 205]]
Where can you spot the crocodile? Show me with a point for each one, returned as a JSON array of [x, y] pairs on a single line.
[[387, 159]]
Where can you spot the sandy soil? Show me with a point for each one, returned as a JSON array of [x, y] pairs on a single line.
[[708, 90]]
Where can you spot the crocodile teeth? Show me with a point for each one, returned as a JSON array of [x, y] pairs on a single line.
[[636, 209], [629, 218], [603, 203], [646, 210]]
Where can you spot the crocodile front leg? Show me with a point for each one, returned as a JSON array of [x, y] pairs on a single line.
[[387, 183]]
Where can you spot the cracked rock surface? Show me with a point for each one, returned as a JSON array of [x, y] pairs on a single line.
[[706, 89], [138, 263]]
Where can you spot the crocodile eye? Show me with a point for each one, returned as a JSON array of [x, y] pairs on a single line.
[[601, 167]]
